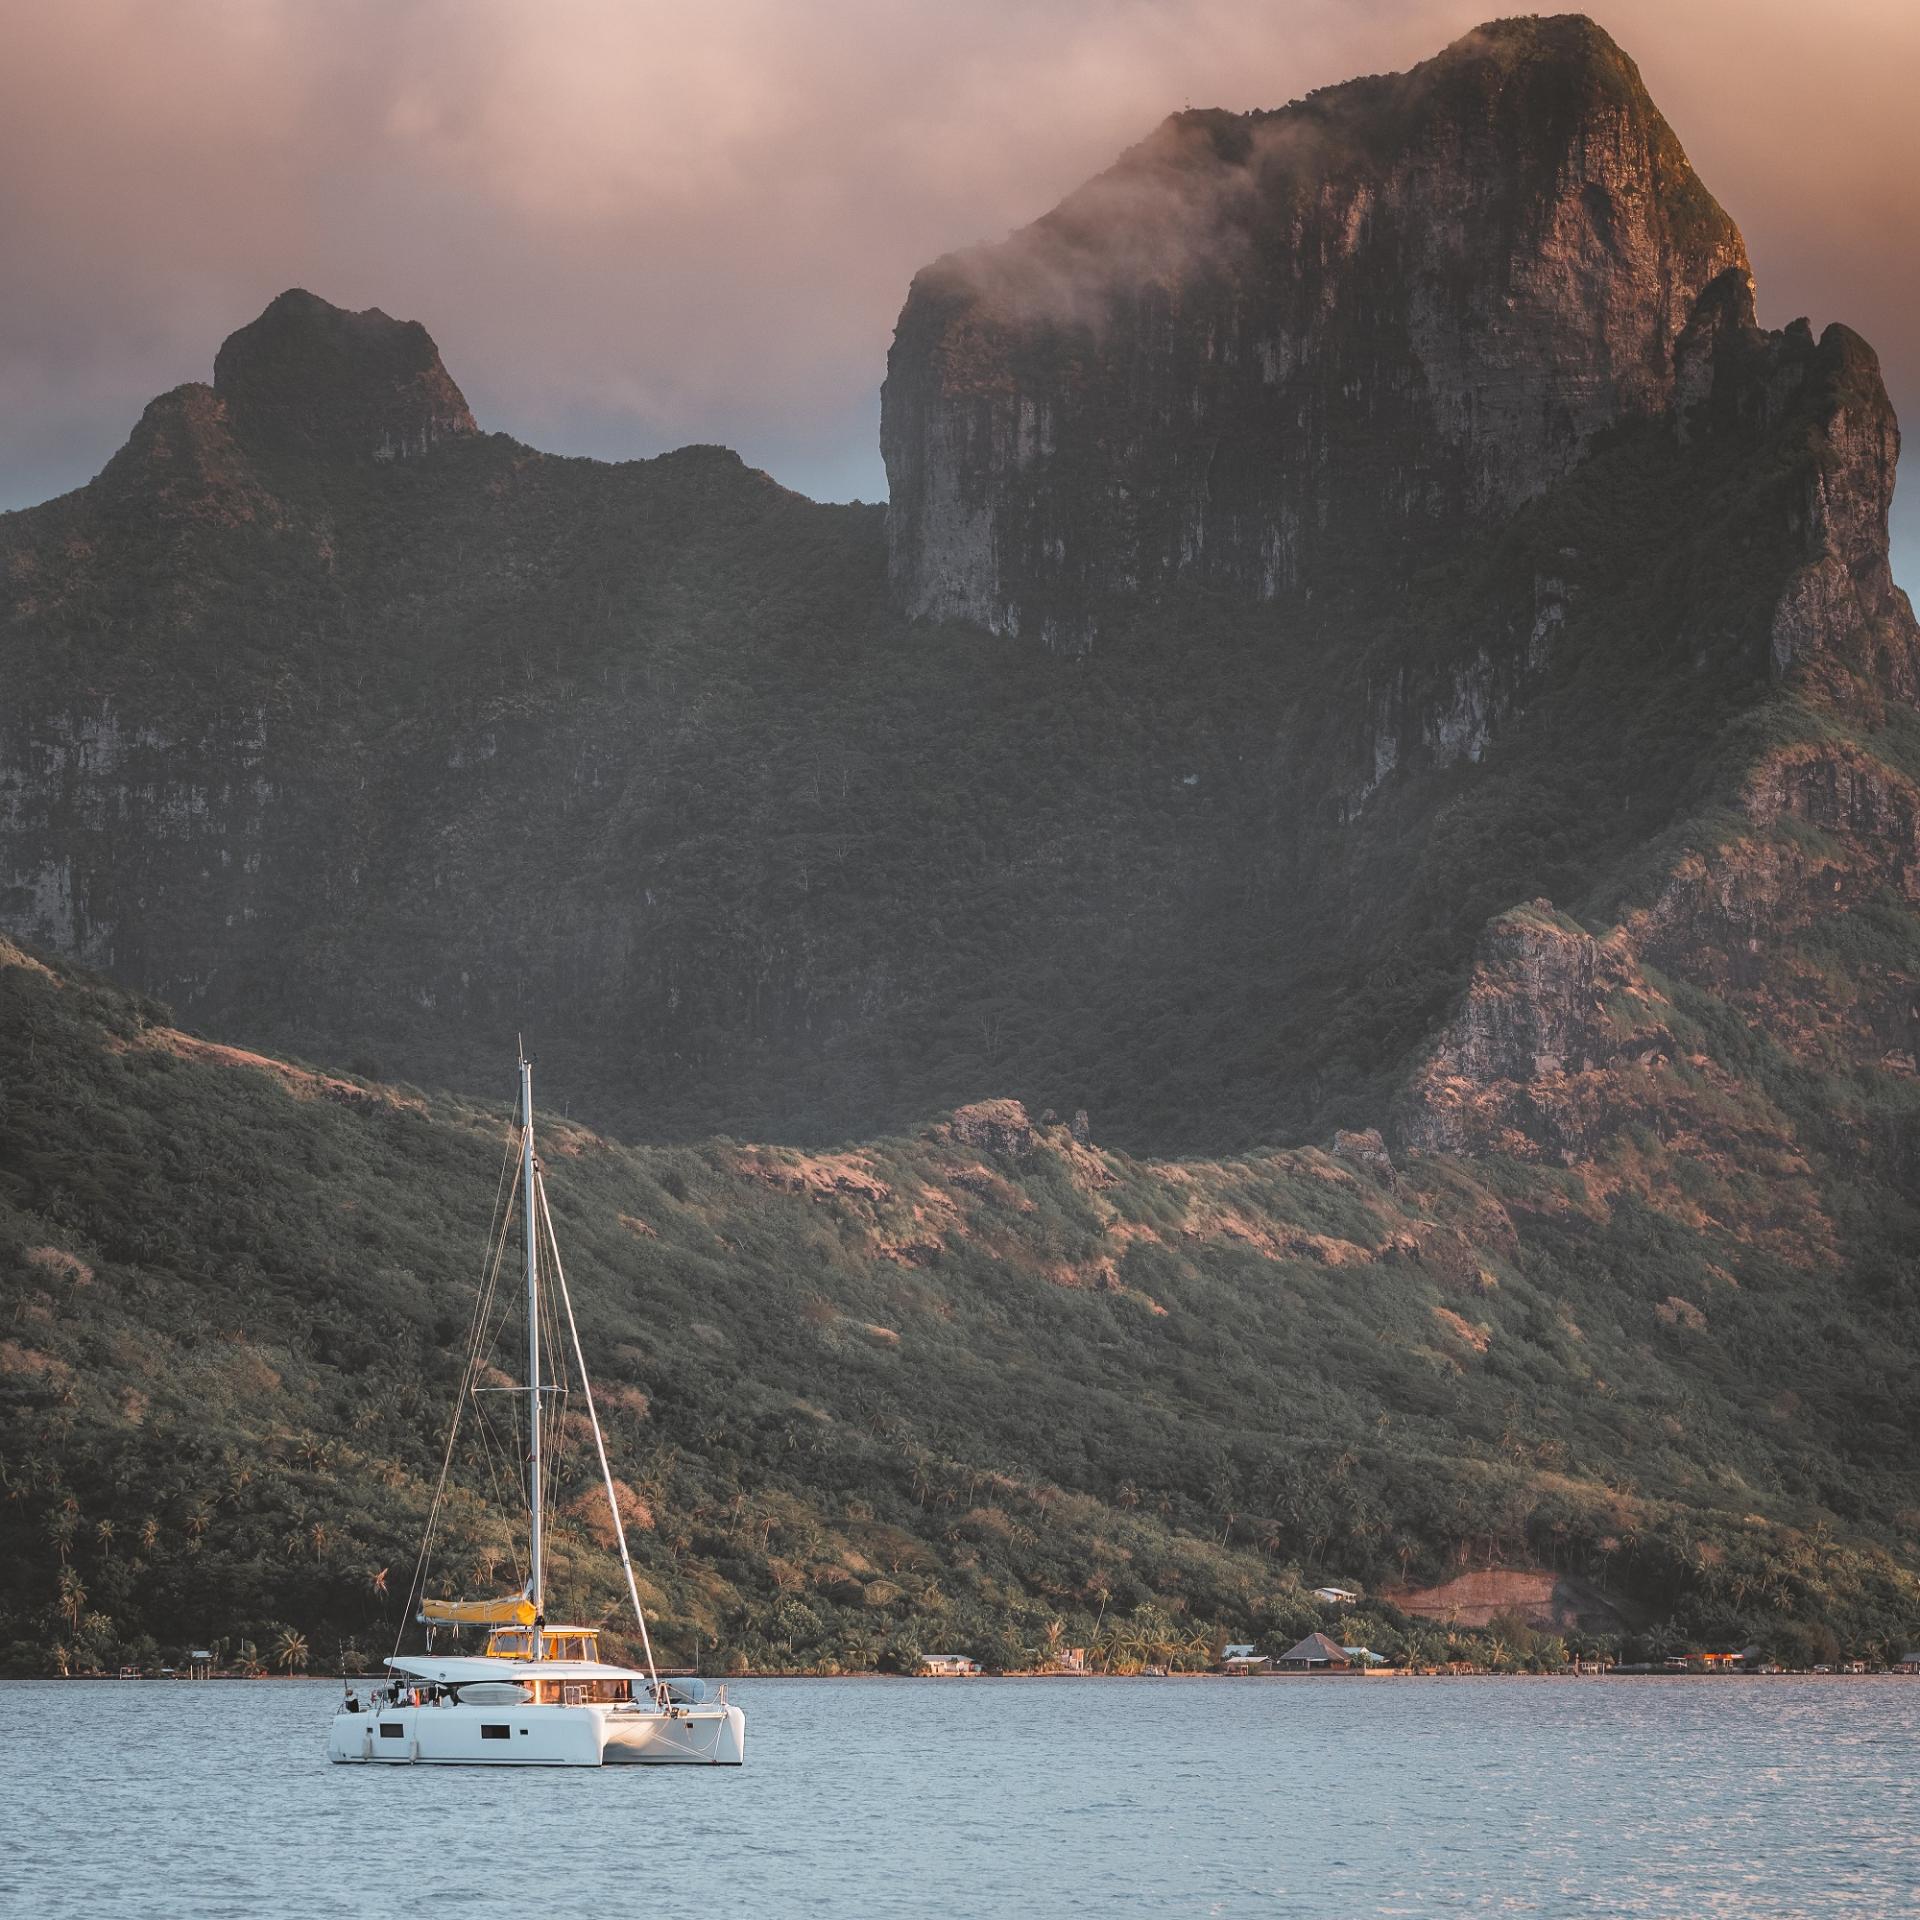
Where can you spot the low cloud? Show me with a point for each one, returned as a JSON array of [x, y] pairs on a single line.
[[634, 225]]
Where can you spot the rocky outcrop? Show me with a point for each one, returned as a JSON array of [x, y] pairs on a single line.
[[1565, 1051], [1535, 1001], [1534, 1019], [1840, 604], [1837, 608], [1561, 1042], [999, 1126], [310, 378], [1266, 349], [1366, 1149]]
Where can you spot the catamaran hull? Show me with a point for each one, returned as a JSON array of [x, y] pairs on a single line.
[[545, 1736], [711, 1736]]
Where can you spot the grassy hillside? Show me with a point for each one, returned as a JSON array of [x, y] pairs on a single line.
[[941, 1390]]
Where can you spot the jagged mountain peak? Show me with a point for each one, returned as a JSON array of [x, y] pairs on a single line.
[[311, 378], [1267, 834], [1408, 302], [1557, 73]]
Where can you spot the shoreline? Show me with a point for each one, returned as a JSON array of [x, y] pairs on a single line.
[[1378, 1673]]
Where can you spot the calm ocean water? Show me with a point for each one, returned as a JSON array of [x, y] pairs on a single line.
[[1747, 1798]]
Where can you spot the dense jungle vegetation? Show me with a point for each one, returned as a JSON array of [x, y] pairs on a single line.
[[988, 1392]]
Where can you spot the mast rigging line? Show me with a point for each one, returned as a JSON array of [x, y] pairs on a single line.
[[476, 1327], [544, 1317], [600, 1445], [536, 1588]]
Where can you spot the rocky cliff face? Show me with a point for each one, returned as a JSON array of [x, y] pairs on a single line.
[[357, 733], [1798, 917], [309, 378], [1837, 607], [1270, 348], [1759, 1011]]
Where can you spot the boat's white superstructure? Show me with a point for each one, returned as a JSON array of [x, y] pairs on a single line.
[[539, 1695], [485, 1711]]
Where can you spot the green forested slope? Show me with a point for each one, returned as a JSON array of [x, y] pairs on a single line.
[[943, 1390]]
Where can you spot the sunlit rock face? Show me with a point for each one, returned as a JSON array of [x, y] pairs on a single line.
[[1271, 348]]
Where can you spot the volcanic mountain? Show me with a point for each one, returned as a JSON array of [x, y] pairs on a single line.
[[1369, 634], [1325, 531]]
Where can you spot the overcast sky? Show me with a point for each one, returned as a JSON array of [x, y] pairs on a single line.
[[634, 225]]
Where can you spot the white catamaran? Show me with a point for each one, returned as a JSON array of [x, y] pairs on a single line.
[[540, 1695]]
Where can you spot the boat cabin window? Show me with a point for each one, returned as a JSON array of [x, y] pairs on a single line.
[[565, 1643], [581, 1693]]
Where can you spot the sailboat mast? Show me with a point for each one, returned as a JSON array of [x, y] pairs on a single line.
[[536, 1587]]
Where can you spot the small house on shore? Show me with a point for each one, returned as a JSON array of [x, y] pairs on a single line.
[[1316, 1654], [1364, 1656], [1244, 1658], [948, 1663]]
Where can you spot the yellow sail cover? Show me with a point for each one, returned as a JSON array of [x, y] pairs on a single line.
[[516, 1612]]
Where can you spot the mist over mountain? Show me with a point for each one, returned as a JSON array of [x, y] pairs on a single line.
[[1266, 350], [1369, 633]]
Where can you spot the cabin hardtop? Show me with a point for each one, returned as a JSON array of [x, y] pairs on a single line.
[[466, 1669]]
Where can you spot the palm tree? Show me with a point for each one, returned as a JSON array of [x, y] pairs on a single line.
[[290, 1651], [1197, 1650], [1666, 1638], [73, 1597], [61, 1524]]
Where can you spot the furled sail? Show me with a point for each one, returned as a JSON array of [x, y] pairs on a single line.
[[515, 1611]]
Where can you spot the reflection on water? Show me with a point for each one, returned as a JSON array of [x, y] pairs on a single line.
[[1338, 1798]]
